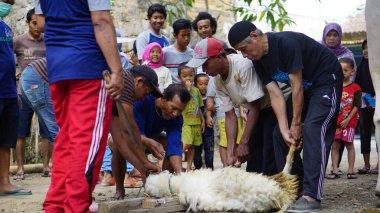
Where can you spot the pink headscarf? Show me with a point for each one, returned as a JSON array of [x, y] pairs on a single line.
[[146, 55]]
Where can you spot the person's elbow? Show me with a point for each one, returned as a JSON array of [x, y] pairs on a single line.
[[100, 19]]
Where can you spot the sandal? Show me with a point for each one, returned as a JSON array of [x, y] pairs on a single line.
[[363, 170], [333, 176], [373, 171], [19, 176], [133, 183], [46, 174], [136, 174], [351, 176]]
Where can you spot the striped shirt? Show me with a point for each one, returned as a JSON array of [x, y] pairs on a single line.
[[39, 66], [128, 93]]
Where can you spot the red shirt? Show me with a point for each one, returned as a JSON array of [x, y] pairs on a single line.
[[351, 97]]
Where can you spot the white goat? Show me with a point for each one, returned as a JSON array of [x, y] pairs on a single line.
[[227, 189]]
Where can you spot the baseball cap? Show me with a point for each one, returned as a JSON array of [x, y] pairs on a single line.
[[239, 31], [203, 50], [150, 75]]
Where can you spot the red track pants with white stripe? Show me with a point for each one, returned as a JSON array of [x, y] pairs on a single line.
[[83, 113]]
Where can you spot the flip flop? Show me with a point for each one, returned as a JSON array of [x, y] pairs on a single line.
[[351, 176], [19, 176], [46, 174], [17, 192], [364, 170], [332, 176], [133, 183], [373, 171]]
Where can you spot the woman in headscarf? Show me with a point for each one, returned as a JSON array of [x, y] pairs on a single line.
[[332, 39]]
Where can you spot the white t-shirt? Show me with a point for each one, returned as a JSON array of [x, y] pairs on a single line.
[[173, 57], [242, 85], [164, 77]]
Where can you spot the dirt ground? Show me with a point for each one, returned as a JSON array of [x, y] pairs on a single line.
[[340, 195]]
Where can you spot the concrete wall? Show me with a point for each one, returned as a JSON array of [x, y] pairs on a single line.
[[130, 16]]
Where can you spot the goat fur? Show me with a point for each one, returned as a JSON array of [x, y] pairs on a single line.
[[228, 189]]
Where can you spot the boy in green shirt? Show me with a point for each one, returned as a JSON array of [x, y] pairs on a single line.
[[193, 121]]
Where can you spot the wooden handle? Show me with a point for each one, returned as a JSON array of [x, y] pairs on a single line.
[[107, 76]]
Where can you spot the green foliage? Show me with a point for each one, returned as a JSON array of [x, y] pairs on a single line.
[[176, 9], [274, 13]]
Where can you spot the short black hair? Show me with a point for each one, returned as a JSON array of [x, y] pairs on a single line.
[[181, 24], [229, 51], [364, 44], [177, 89], [29, 15], [203, 16], [183, 66], [156, 8], [200, 75], [348, 61]]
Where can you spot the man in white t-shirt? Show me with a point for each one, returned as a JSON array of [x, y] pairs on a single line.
[[236, 84]]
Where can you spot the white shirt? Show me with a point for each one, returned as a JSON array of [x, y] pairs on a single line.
[[242, 85]]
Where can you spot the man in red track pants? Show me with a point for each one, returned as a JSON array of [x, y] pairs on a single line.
[[80, 43]]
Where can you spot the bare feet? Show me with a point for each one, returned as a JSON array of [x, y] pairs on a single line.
[[119, 195], [108, 179]]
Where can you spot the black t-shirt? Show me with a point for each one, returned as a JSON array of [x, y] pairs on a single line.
[[363, 78], [291, 51]]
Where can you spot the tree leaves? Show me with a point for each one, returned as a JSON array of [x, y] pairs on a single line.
[[274, 13]]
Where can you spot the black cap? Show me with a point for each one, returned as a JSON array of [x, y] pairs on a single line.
[[239, 31], [150, 75]]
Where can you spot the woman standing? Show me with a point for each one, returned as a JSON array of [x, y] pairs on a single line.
[[364, 80]]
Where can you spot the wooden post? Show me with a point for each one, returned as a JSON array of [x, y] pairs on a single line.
[[36, 135]]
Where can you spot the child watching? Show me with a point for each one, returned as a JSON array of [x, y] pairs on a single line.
[[347, 118], [153, 57], [193, 121], [201, 82], [179, 52], [156, 16]]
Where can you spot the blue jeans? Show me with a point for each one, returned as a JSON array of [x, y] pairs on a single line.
[[107, 160], [38, 97]]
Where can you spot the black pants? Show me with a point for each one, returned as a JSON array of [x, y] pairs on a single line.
[[261, 152], [320, 114], [366, 125]]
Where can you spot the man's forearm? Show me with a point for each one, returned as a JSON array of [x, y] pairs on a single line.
[[297, 96], [231, 130], [106, 38], [252, 118], [278, 105]]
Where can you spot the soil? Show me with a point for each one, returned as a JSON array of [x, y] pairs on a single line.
[[340, 195]]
